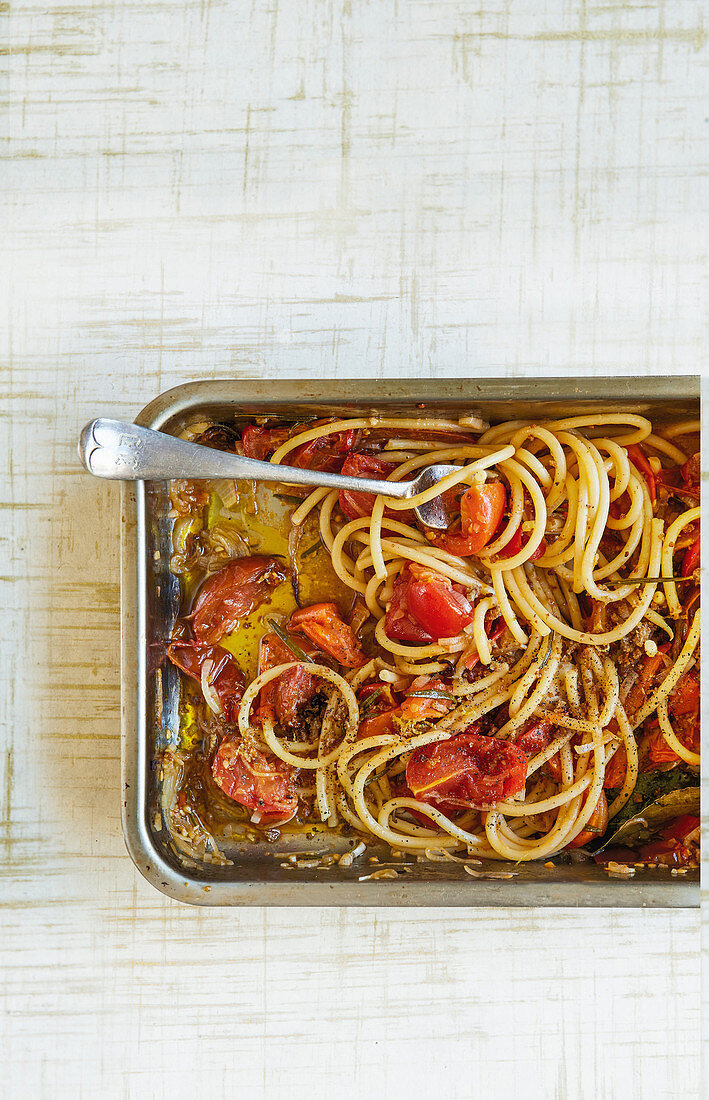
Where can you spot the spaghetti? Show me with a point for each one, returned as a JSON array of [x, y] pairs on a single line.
[[484, 690]]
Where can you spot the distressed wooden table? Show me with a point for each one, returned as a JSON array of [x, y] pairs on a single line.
[[327, 187]]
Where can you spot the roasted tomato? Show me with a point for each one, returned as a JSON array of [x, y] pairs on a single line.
[[681, 827], [643, 685], [374, 724], [683, 707], [327, 453], [494, 628], [426, 606], [262, 442], [517, 543], [616, 769], [466, 770], [639, 460], [684, 699], [225, 676], [416, 707], [232, 594], [481, 510], [669, 853], [596, 824], [284, 697], [691, 471], [321, 623], [356, 504], [535, 737], [256, 782], [691, 559]]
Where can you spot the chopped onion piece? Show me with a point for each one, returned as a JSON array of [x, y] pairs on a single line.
[[210, 695]]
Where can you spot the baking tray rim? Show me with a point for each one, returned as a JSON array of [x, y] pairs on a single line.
[[652, 892]]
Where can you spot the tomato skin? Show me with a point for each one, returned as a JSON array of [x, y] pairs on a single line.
[[481, 510], [425, 606], [617, 767], [641, 688], [691, 471], [399, 623], [385, 699], [596, 824], [669, 853], [517, 543], [417, 707], [692, 557], [251, 779], [226, 677], [262, 442], [687, 731], [378, 723], [356, 504], [535, 738], [436, 605], [684, 699], [232, 594], [493, 633], [680, 827], [284, 697], [639, 459], [326, 453], [468, 769], [683, 706], [321, 623]]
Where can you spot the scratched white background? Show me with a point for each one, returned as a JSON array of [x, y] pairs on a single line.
[[210, 188]]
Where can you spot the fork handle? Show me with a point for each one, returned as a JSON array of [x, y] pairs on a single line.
[[122, 451]]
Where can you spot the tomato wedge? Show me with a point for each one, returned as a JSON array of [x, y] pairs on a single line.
[[256, 782], [284, 697], [321, 623], [481, 510], [262, 442], [232, 594], [466, 770], [354, 503], [639, 459], [225, 676], [426, 606]]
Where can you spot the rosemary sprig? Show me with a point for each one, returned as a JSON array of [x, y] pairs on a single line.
[[293, 646], [312, 549], [368, 703]]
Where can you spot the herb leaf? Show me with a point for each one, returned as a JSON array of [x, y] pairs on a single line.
[[293, 646]]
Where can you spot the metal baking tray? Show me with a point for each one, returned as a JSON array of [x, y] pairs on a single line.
[[150, 691]]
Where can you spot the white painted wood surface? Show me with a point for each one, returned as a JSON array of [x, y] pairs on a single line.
[[313, 187]]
